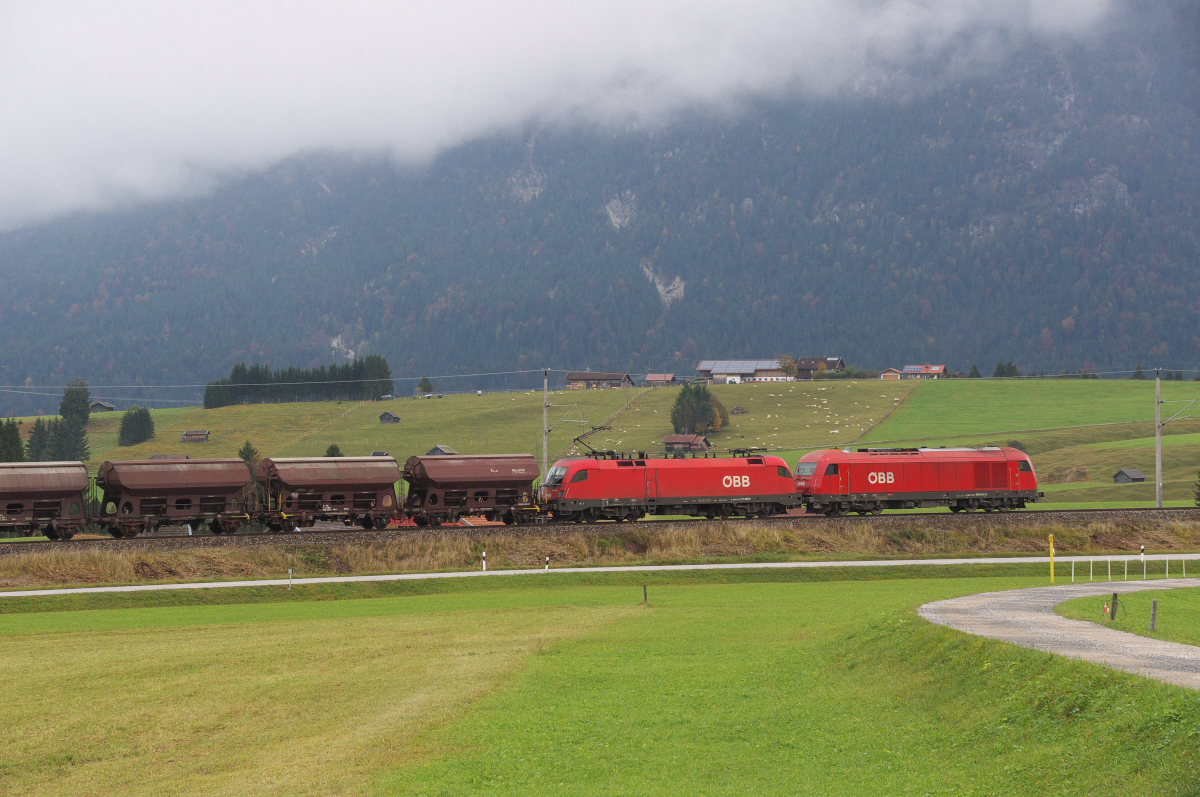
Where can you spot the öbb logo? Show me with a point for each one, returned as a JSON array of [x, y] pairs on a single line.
[[736, 481], [881, 478]]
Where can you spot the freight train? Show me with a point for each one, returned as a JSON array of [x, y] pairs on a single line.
[[128, 498]]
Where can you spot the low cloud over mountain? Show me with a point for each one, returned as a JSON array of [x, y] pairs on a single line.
[[111, 104]]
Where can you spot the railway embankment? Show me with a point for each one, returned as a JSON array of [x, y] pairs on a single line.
[[325, 552]]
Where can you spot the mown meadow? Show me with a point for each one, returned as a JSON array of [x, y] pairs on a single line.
[[720, 683]]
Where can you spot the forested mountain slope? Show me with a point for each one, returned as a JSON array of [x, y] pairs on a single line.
[[1046, 212]]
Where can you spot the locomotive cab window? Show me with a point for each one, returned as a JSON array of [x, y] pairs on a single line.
[[1023, 466], [806, 468], [783, 472], [555, 476], [581, 476], [831, 470]]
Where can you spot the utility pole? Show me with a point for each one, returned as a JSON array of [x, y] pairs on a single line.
[[545, 410], [1157, 440]]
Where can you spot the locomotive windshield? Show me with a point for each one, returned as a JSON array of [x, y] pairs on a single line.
[[806, 468], [555, 476]]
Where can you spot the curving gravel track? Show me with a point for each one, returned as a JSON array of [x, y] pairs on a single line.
[[1026, 617]]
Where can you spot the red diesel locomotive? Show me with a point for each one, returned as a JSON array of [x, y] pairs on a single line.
[[592, 489], [871, 480]]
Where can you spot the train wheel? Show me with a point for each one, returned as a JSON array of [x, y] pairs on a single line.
[[421, 521], [589, 516], [509, 519], [955, 508], [367, 522], [435, 521], [833, 511]]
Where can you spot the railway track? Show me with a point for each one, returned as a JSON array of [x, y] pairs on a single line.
[[340, 535]]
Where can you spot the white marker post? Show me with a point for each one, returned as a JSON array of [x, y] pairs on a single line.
[[547, 562], [485, 561], [289, 578]]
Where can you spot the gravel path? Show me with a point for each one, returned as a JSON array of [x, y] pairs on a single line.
[[1026, 617]]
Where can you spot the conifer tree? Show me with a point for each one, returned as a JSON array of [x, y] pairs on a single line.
[[697, 410], [11, 447], [1139, 373], [67, 441], [36, 448], [974, 372], [137, 426], [75, 401], [249, 455], [333, 451]]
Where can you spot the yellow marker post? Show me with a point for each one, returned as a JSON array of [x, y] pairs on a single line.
[[1051, 558]]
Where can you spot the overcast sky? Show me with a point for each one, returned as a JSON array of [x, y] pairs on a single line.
[[106, 103]]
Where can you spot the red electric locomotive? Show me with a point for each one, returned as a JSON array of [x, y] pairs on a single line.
[[627, 489], [871, 480]]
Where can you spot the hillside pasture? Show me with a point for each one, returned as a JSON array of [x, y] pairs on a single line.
[[782, 417], [954, 408]]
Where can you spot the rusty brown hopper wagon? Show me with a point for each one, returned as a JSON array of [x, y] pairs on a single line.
[[443, 488], [140, 495], [303, 490], [43, 496]]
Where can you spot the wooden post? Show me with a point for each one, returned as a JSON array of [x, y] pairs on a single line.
[[1153, 613], [1051, 558], [645, 595], [1112, 613]]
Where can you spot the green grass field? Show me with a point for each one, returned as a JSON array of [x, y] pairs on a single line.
[[719, 685], [962, 407], [1178, 618]]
